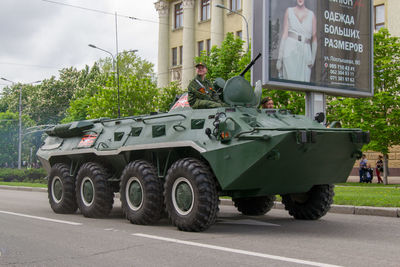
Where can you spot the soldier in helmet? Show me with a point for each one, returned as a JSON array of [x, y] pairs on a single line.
[[200, 91]]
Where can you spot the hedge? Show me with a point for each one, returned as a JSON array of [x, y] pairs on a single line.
[[22, 175]]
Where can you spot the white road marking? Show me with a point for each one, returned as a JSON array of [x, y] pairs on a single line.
[[238, 251], [39, 218], [247, 222]]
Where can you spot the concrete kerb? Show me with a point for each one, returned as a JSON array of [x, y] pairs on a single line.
[[343, 209], [23, 188]]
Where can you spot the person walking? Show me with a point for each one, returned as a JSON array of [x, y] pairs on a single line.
[[379, 169]]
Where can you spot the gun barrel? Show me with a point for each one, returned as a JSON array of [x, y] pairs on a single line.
[[250, 65]]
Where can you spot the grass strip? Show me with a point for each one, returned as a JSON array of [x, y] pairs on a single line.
[[367, 196]]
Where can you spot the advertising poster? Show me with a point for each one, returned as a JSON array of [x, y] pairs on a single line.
[[318, 45]]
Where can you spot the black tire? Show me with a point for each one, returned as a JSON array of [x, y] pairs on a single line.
[[311, 205], [61, 190], [95, 197], [141, 193], [254, 206], [190, 195]]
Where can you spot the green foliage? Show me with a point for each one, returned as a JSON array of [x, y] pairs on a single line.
[[290, 100], [380, 114], [138, 91], [16, 175], [166, 96], [226, 61], [129, 63], [9, 138], [137, 96]]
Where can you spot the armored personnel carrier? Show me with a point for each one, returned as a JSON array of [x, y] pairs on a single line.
[[182, 161]]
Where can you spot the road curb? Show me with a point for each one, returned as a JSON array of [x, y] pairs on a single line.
[[342, 209], [23, 188]]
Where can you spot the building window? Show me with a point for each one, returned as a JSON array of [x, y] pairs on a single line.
[[236, 5], [205, 10], [239, 34], [208, 46], [178, 15], [200, 46], [379, 17], [174, 56], [180, 55]]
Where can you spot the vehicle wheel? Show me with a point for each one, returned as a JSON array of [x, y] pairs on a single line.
[[190, 195], [141, 193], [61, 189], [254, 206], [95, 198], [311, 205]]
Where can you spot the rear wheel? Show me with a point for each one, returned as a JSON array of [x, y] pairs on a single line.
[[190, 195], [311, 205], [95, 198], [254, 206], [61, 189], [141, 193]]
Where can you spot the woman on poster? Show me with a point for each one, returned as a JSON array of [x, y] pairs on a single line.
[[298, 47]]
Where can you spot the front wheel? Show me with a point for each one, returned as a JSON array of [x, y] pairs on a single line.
[[190, 195], [95, 197], [311, 205]]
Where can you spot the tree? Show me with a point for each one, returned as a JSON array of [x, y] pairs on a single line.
[[46, 103], [226, 61], [137, 96], [380, 115], [129, 63], [9, 138], [138, 91]]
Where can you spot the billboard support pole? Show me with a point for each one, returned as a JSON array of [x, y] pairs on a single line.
[[315, 103]]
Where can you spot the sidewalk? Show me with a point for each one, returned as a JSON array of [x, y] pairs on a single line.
[[391, 179]]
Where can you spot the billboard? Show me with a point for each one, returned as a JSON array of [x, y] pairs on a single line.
[[315, 45]]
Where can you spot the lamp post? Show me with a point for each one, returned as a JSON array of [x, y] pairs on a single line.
[[19, 119], [114, 62], [245, 20]]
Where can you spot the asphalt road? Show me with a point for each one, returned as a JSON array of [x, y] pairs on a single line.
[[32, 235]]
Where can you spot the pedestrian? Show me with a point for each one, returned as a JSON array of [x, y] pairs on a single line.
[[200, 91], [363, 167], [379, 169]]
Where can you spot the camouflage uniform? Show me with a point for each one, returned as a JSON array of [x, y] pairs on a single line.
[[202, 95]]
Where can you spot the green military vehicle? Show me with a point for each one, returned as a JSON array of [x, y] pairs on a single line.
[[182, 161]]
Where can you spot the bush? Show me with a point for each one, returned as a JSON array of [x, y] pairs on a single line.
[[16, 175]]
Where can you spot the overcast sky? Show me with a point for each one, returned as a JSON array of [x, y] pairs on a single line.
[[39, 37]]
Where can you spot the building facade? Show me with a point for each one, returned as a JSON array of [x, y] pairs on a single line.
[[188, 27], [385, 15]]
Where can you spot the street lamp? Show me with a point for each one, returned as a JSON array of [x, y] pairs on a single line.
[[245, 20], [19, 119], [114, 62]]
